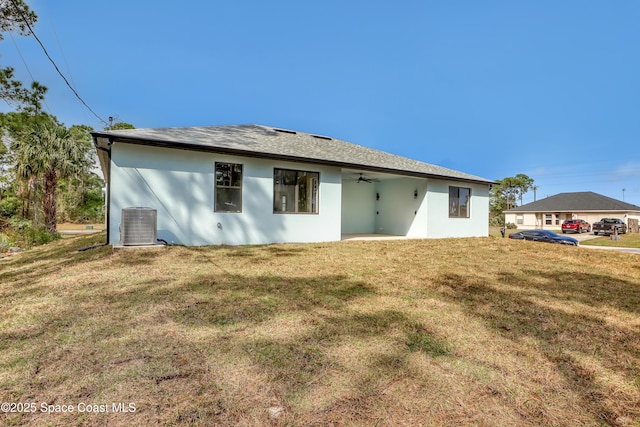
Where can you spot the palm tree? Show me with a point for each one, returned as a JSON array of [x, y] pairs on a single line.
[[50, 152]]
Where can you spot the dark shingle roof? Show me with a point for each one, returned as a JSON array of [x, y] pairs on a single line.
[[268, 142], [576, 202]]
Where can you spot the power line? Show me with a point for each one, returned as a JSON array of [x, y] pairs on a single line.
[[55, 33], [26, 21], [27, 67], [22, 57]]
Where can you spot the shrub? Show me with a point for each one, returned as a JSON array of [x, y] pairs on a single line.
[[19, 224], [39, 236], [9, 206], [21, 232], [511, 226], [496, 221], [5, 242]]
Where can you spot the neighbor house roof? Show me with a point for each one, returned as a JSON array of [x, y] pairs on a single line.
[[268, 142], [577, 202]]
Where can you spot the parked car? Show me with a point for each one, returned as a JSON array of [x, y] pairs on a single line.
[[576, 226], [543, 236], [609, 226]]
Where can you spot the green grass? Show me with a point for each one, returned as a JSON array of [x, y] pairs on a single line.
[[628, 240], [421, 339], [495, 232], [483, 331]]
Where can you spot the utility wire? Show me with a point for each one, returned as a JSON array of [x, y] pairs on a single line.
[[55, 33], [26, 21], [27, 67], [21, 57]]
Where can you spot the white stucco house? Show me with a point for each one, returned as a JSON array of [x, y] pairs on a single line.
[[253, 184]]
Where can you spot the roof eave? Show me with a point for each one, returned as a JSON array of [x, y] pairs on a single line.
[[103, 147], [572, 210], [262, 155]]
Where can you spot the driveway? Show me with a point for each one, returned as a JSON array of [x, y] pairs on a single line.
[[75, 232], [588, 236], [581, 237], [611, 248]]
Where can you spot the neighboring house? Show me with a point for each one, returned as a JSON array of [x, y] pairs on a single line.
[[251, 184], [551, 212]]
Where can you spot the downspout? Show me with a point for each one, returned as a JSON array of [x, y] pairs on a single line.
[[107, 214], [108, 193], [107, 197]]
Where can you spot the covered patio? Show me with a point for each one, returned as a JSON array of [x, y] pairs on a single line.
[[373, 236]]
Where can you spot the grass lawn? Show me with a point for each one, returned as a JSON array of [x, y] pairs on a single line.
[[478, 332], [628, 240]]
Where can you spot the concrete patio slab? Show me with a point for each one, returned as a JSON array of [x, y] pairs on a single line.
[[365, 236]]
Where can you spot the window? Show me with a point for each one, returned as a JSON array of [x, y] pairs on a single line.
[[295, 191], [519, 219], [547, 219], [557, 219], [228, 187], [459, 199]]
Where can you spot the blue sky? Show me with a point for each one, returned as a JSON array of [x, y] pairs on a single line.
[[492, 88]]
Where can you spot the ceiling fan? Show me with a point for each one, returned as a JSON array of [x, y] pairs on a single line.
[[365, 179]]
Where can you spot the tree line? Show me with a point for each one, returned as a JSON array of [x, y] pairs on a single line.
[[505, 194], [46, 168]]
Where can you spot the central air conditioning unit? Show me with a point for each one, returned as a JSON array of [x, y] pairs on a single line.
[[138, 226]]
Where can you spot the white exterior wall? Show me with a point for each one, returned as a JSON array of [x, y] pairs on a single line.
[[633, 216], [397, 211], [180, 185], [528, 220], [440, 225], [358, 207]]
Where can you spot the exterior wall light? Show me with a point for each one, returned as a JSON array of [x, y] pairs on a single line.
[[377, 196], [415, 193]]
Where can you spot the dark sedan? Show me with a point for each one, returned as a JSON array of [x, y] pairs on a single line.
[[543, 236]]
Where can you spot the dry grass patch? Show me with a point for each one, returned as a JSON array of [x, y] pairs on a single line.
[[435, 332]]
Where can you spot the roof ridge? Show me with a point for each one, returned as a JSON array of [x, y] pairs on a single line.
[[576, 201]]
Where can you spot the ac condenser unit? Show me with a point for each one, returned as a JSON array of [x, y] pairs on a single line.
[[138, 226]]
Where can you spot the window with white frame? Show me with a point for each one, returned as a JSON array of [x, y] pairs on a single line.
[[519, 219], [459, 202], [228, 190]]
